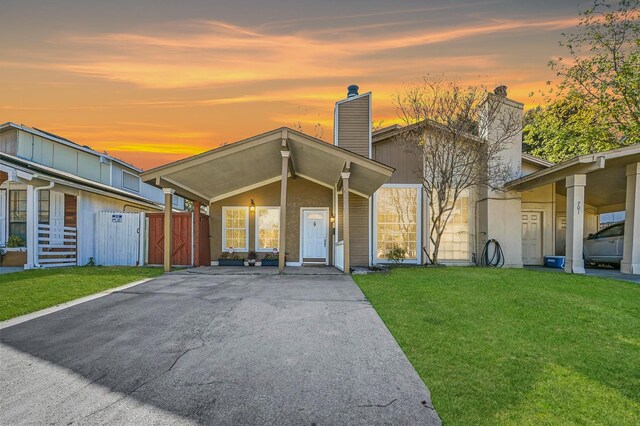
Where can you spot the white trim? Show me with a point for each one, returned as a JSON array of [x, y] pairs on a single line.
[[186, 188], [353, 97], [370, 223], [419, 224], [326, 211], [309, 178], [244, 189], [293, 264], [370, 145], [257, 237], [246, 225], [351, 191]]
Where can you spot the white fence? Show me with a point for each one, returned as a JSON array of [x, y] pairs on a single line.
[[120, 238], [57, 246], [339, 255]]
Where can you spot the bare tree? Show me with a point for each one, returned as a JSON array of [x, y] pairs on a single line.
[[462, 133]]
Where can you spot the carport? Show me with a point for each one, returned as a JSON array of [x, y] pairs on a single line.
[[608, 181]]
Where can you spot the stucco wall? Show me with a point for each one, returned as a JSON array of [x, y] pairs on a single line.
[[300, 193]]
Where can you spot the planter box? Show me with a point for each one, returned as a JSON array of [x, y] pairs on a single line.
[[269, 262], [14, 257], [230, 262]]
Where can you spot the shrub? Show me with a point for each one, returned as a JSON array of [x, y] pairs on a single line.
[[16, 241], [229, 255], [272, 255], [396, 254]]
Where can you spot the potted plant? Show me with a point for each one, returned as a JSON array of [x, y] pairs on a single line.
[[271, 258], [230, 258], [15, 253], [251, 258]]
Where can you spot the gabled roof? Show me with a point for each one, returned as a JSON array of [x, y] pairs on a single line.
[[66, 142], [257, 161], [535, 160]]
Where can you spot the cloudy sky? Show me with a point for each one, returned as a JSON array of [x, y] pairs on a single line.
[[152, 81]]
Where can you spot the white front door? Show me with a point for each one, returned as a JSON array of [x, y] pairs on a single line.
[[315, 234], [532, 238]]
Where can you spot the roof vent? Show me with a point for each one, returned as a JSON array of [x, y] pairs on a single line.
[[352, 91], [501, 91]]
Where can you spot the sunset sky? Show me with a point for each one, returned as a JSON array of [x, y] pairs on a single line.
[[153, 81]]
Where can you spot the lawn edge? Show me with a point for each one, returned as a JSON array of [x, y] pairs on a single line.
[[46, 311]]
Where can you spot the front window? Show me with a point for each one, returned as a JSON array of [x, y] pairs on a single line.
[[235, 228], [454, 244], [267, 228], [18, 213], [397, 221], [43, 207]]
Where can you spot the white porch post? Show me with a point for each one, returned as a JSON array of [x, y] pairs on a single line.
[[283, 210], [168, 227], [345, 220], [32, 227], [631, 254], [575, 223]]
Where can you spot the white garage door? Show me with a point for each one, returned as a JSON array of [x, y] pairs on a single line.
[[532, 238]]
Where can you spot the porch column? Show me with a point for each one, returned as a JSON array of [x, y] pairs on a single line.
[[283, 210], [345, 219], [631, 253], [32, 225], [168, 227], [197, 230], [574, 264]]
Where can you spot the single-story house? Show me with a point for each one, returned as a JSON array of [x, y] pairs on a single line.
[[347, 203], [50, 192]]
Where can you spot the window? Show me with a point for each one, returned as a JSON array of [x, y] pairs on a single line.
[[267, 228], [44, 206], [614, 231], [235, 228], [130, 181], [397, 224], [18, 213], [455, 242]]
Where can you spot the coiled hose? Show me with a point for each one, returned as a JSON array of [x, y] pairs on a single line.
[[496, 258]]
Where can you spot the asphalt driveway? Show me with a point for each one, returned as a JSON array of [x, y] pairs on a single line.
[[215, 349]]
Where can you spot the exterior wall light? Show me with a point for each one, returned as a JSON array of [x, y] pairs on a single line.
[[252, 207]]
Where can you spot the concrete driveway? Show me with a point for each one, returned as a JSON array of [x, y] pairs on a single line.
[[215, 349]]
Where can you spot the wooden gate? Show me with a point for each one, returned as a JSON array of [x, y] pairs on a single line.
[[184, 252]]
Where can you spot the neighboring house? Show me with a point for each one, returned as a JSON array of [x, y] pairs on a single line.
[[52, 188]]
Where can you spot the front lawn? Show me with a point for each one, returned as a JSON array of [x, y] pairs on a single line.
[[29, 291], [517, 346]]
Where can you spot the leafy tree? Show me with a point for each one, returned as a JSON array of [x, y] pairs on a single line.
[[442, 123], [603, 66], [565, 128]]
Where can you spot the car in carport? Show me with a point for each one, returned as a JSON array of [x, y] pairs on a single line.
[[605, 246]]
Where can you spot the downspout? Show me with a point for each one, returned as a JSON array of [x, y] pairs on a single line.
[[36, 212]]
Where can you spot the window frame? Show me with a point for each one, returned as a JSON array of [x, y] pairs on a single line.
[[9, 210], [135, 176], [257, 229], [40, 205], [469, 230], [225, 247], [419, 220]]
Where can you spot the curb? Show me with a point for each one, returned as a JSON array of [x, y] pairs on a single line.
[[33, 315]]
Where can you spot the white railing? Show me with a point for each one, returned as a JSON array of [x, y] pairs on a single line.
[[339, 255], [56, 246]]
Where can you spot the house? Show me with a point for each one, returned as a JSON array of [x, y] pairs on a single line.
[[347, 203], [50, 191]]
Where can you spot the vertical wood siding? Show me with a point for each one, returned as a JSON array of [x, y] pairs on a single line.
[[354, 126], [406, 159], [359, 232]]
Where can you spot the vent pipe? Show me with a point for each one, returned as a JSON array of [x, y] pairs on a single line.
[[352, 91]]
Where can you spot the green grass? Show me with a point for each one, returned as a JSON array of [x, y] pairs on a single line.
[[517, 347], [29, 291]]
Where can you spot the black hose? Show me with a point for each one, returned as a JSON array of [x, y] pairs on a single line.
[[496, 260]]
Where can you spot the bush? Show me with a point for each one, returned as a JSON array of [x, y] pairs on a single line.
[[16, 241], [396, 254], [229, 255]]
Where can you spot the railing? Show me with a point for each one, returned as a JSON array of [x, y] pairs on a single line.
[[339, 257], [56, 246]]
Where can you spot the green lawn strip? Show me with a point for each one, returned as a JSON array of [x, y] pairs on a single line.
[[30, 291], [516, 346]]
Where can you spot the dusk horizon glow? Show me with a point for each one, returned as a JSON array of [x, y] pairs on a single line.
[[152, 83]]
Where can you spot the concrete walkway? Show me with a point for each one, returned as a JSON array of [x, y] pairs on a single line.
[[191, 348], [602, 272]]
